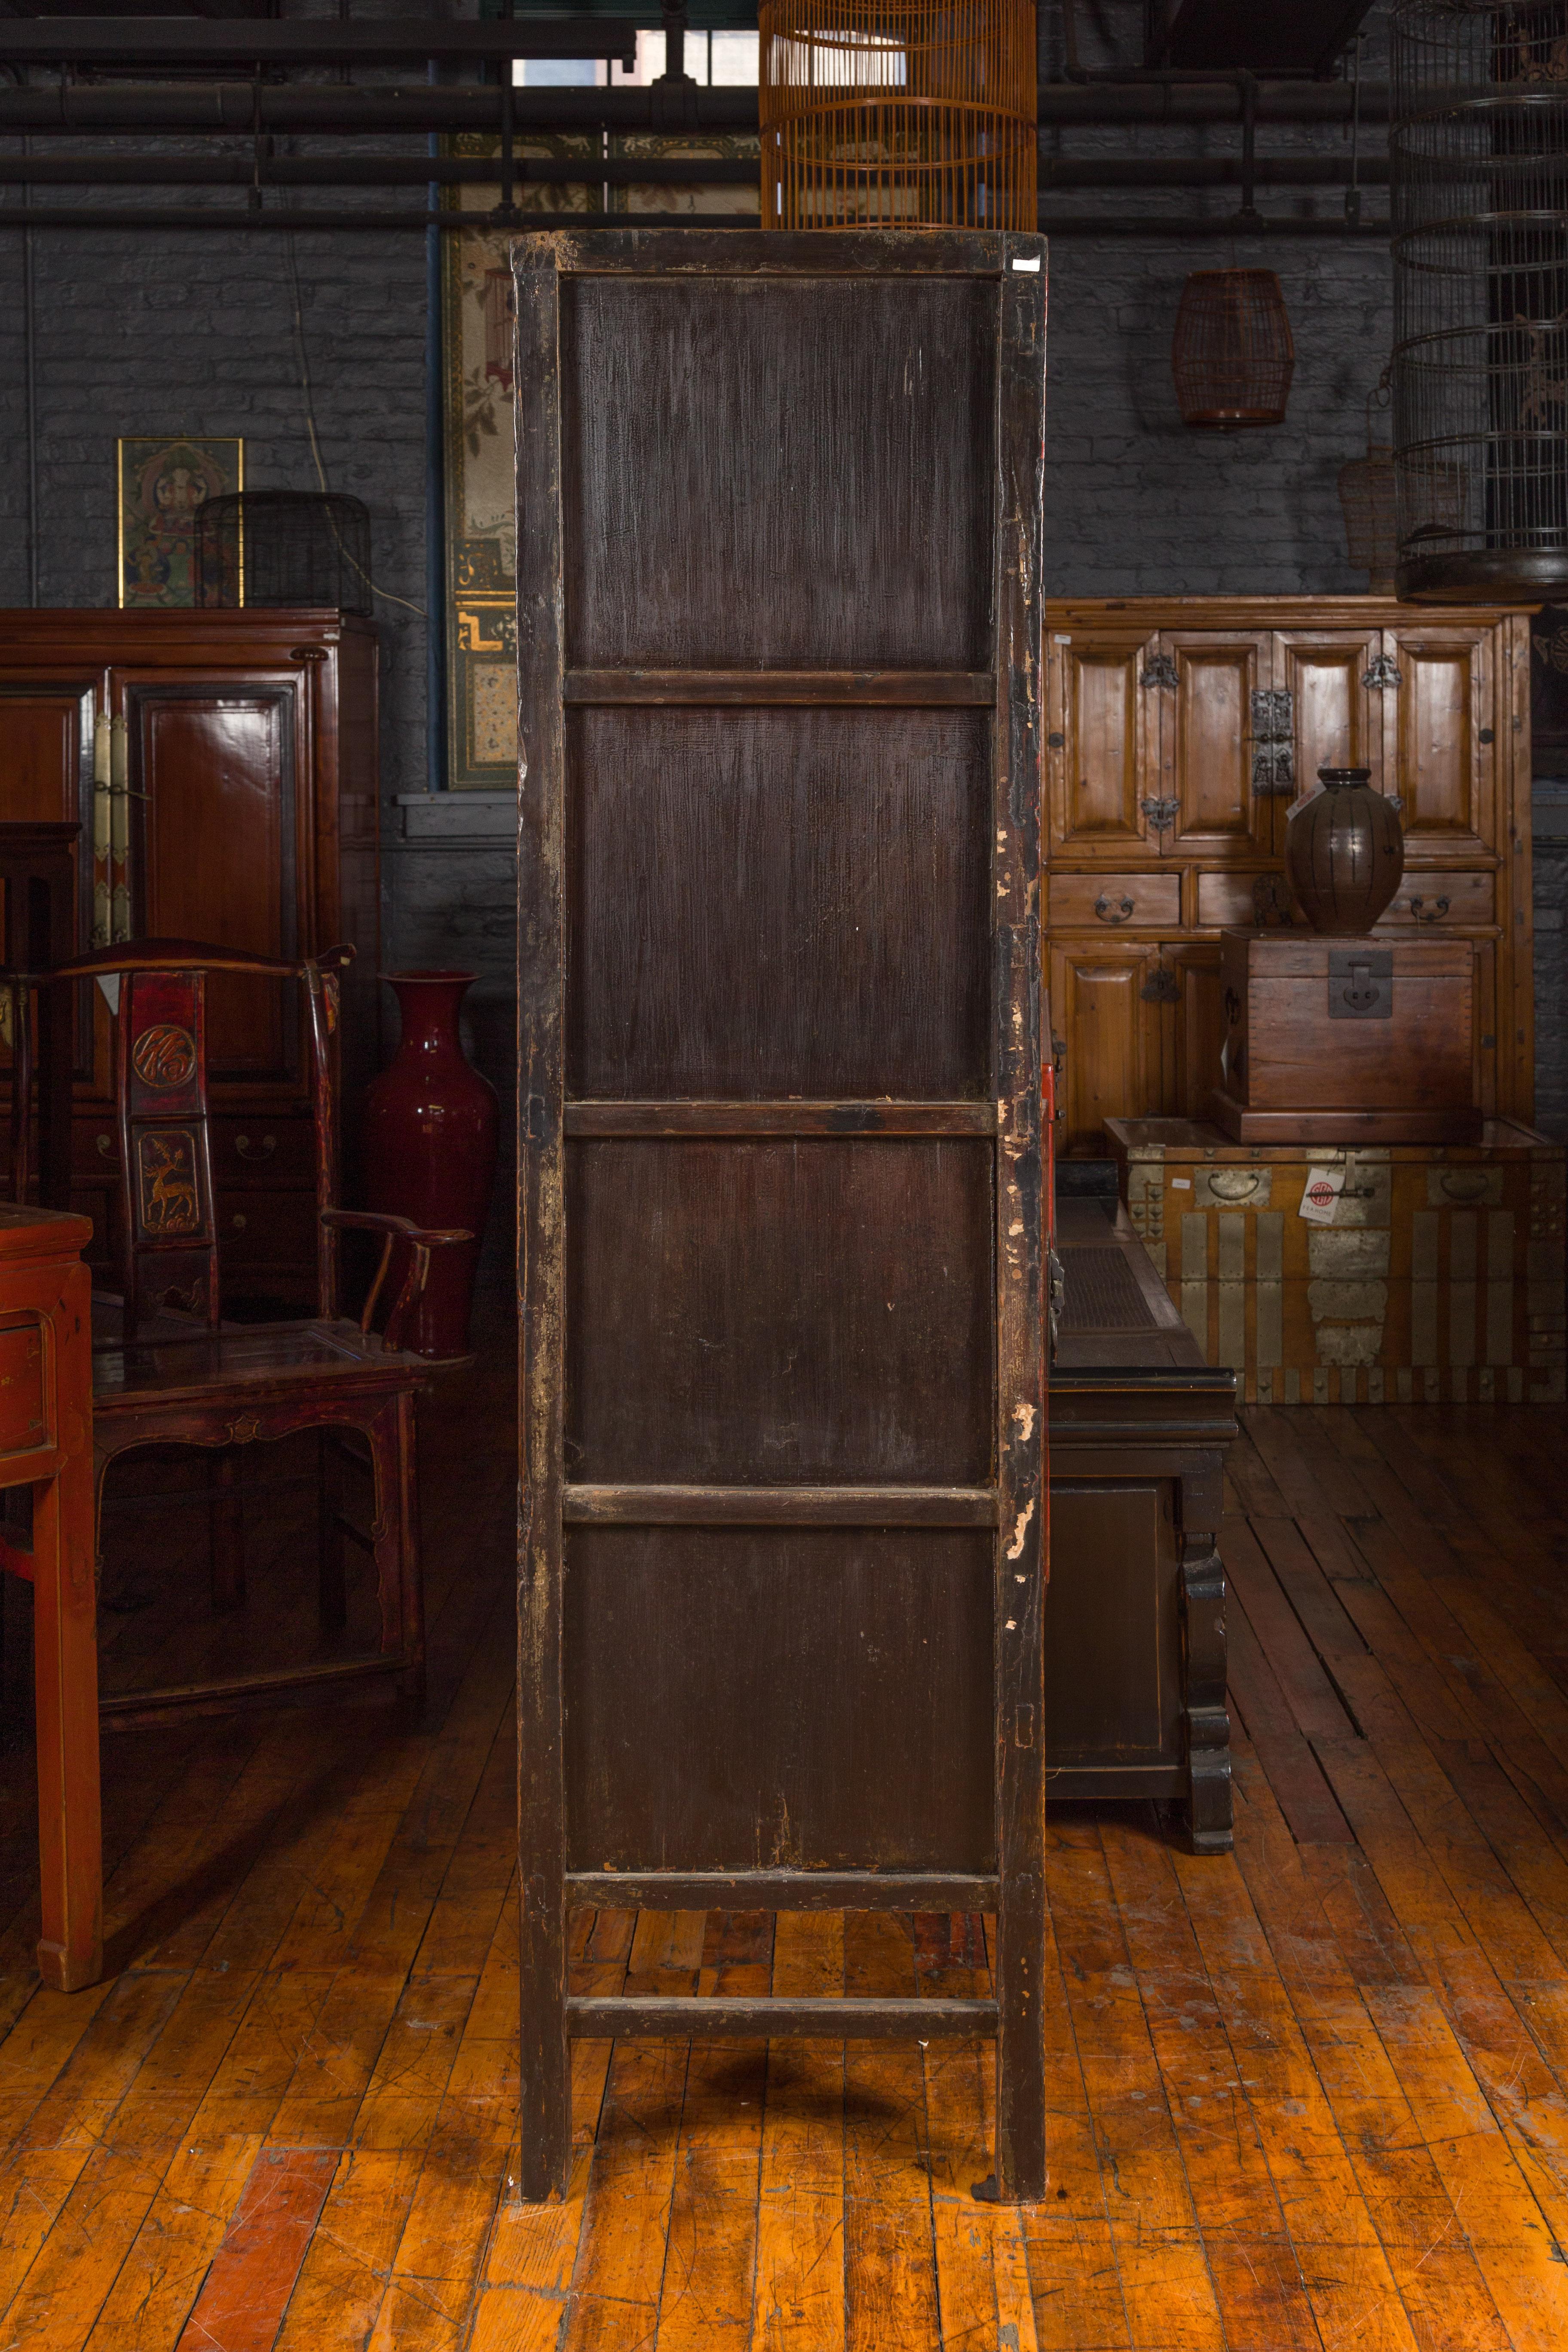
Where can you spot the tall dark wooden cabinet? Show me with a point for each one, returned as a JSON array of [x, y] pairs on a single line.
[[782, 1441], [221, 766]]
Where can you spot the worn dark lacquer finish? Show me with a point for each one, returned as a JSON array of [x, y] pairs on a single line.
[[747, 1311], [782, 1557], [765, 902]]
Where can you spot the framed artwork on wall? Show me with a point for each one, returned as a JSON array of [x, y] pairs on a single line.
[[163, 478]]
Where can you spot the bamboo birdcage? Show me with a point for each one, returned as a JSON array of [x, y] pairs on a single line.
[[1231, 354], [882, 116], [1478, 184]]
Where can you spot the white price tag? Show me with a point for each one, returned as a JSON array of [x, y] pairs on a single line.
[[1320, 1200]]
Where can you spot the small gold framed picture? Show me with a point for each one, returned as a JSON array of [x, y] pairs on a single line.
[[164, 478]]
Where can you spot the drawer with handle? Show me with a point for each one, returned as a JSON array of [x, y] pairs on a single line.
[[1432, 900], [275, 1154], [1115, 901], [267, 1228]]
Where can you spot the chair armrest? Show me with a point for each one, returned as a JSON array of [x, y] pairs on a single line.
[[420, 1240]]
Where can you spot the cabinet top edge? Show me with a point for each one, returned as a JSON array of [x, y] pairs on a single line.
[[317, 621], [1315, 612]]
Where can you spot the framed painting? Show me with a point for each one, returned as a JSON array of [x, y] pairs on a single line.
[[164, 478]]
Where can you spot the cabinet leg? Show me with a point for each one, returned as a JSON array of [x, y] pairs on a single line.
[[1202, 1696], [330, 1565], [71, 1849]]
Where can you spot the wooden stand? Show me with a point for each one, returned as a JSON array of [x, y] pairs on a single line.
[[782, 1555], [45, 1443], [1352, 1041]]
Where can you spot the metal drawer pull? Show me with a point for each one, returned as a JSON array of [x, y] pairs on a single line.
[[1439, 908], [1464, 1183], [1234, 1183], [106, 1146], [262, 1151], [236, 1224], [1108, 914]]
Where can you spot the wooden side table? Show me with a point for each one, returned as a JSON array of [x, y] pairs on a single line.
[[45, 1443], [38, 889]]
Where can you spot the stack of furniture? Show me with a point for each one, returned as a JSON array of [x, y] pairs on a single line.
[[221, 767], [1180, 731]]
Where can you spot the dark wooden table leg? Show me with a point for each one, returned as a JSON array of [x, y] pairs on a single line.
[[1204, 1669], [64, 1644]]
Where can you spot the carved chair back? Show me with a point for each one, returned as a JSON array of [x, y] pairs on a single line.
[[169, 1244]]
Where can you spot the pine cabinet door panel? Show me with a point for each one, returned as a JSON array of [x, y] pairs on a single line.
[[1110, 1034], [1209, 744], [1442, 723], [1103, 745], [1336, 718], [1194, 1029]]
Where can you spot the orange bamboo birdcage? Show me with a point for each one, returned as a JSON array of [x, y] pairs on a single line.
[[912, 116]]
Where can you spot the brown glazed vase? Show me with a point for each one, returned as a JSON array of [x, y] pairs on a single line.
[[1344, 851]]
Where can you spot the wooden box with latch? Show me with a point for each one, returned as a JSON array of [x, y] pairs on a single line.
[[1383, 1274], [1338, 1042]]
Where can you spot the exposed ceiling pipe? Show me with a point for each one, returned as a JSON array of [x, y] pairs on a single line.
[[229, 217], [141, 171], [175, 108]]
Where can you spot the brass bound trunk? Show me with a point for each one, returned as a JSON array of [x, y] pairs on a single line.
[[1439, 1280]]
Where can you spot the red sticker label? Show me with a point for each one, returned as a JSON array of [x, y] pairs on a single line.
[[1320, 1194]]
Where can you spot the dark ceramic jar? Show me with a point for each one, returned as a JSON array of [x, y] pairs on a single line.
[[1344, 851], [430, 1135]]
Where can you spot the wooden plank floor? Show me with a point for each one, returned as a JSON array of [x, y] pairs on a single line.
[[1313, 2095]]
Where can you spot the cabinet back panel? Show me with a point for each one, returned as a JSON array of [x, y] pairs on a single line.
[[781, 471], [756, 1698], [778, 902], [779, 1312]]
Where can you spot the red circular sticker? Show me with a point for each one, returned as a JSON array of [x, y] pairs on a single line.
[[1320, 1194]]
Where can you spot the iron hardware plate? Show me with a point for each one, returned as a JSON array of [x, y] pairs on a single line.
[[1159, 670], [1383, 674], [1273, 752], [1360, 984], [1161, 815], [1273, 772]]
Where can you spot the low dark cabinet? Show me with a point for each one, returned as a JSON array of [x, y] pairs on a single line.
[[1135, 1656]]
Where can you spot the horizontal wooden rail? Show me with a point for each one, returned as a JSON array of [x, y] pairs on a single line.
[[783, 1890], [790, 1506], [606, 2017], [585, 1120], [728, 689]]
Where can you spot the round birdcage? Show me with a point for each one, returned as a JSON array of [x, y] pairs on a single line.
[[1232, 355], [913, 116], [284, 548], [1367, 496], [1479, 168]]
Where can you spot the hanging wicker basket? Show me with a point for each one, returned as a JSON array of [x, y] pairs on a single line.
[[1366, 498], [1232, 356], [911, 117]]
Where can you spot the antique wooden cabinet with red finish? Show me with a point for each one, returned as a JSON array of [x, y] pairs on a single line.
[[223, 767], [1180, 733]]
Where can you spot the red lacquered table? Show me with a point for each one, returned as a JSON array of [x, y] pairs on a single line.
[[45, 1443]]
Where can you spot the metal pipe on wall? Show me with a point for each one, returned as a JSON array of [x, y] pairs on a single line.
[[160, 107], [226, 218]]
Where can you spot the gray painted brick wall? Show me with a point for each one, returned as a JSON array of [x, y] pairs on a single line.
[[139, 332]]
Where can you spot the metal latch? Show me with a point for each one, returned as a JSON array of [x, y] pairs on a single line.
[[1159, 670], [1360, 984], [1273, 750]]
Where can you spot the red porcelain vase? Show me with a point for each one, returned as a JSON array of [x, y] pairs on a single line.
[[430, 1150]]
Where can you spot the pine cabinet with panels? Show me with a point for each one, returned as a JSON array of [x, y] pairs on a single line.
[[1180, 732], [222, 769]]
